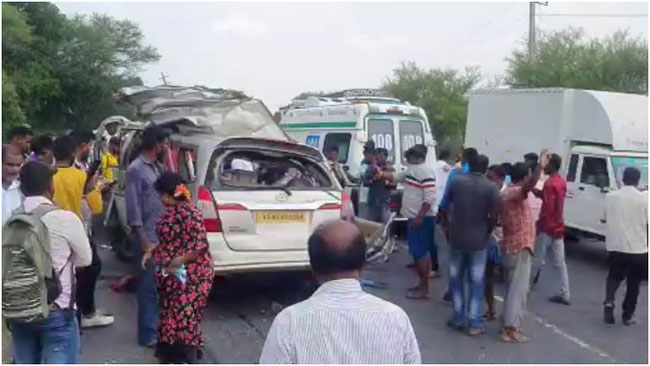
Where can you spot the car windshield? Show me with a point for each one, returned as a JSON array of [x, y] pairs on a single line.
[[622, 162], [269, 170]]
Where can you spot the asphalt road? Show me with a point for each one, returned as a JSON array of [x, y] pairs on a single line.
[[242, 309]]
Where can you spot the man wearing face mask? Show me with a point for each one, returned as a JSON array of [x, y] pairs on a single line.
[[143, 209]]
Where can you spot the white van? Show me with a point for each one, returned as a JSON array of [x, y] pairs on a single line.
[[597, 134], [347, 120]]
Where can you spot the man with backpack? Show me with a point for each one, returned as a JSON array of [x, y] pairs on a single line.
[[45, 243]]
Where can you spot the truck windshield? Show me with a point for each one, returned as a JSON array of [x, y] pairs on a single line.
[[622, 162]]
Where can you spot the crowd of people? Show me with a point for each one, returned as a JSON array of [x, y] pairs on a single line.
[[53, 187], [507, 216], [502, 215]]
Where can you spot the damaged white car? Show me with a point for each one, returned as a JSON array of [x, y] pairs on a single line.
[[261, 194]]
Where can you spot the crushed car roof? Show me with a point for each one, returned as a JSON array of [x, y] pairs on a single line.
[[222, 112]]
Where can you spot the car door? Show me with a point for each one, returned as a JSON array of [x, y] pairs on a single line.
[[593, 186], [255, 216]]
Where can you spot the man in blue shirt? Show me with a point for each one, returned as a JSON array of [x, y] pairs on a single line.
[[143, 209]]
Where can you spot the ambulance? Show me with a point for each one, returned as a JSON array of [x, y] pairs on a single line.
[[348, 119]]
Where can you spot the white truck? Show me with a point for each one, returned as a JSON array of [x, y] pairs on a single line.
[[597, 135]]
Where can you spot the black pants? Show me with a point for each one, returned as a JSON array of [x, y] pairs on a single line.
[[632, 268], [86, 282]]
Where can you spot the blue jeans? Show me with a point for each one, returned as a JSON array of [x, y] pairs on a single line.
[[54, 340], [147, 297], [470, 264]]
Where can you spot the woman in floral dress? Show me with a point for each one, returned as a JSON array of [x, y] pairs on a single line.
[[184, 273]]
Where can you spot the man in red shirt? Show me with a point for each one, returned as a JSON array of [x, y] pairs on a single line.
[[551, 227]]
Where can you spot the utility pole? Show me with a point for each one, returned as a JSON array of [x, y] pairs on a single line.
[[531, 32], [531, 29], [163, 77]]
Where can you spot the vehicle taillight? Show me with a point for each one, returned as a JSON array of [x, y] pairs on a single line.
[[347, 209], [209, 210]]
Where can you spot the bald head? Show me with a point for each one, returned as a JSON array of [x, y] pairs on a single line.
[[337, 247], [9, 149], [12, 160]]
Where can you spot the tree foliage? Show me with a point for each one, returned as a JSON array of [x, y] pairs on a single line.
[[61, 72], [441, 93], [566, 59]]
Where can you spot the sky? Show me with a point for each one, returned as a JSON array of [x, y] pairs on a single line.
[[275, 51]]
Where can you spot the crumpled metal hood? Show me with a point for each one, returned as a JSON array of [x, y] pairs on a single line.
[[221, 112]]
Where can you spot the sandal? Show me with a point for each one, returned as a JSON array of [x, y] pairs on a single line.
[[513, 336], [417, 295]]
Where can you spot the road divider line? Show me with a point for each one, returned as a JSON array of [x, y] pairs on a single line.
[[566, 335]]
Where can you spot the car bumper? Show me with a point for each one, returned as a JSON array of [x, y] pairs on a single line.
[[228, 261]]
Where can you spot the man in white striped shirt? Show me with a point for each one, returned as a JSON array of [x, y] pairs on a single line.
[[340, 323]]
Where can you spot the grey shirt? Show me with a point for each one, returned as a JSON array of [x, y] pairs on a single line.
[[474, 209], [143, 205]]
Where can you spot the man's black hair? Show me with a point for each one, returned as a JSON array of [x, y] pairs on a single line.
[[35, 178], [483, 163], [498, 170], [82, 137], [474, 163], [555, 161], [507, 167], [531, 157], [469, 153], [381, 151], [444, 154], [519, 172], [42, 143], [631, 176], [151, 136], [369, 146], [327, 259], [418, 151], [333, 148], [20, 131], [64, 148]]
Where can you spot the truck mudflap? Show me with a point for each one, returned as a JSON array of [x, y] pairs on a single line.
[[380, 243]]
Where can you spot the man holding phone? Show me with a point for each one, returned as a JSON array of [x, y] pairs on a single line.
[[75, 190]]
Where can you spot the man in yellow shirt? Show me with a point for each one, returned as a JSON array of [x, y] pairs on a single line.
[[71, 188], [109, 160]]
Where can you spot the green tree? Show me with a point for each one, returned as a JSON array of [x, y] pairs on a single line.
[[567, 59], [63, 71], [441, 93]]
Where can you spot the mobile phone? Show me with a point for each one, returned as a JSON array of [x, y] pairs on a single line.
[[94, 167]]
